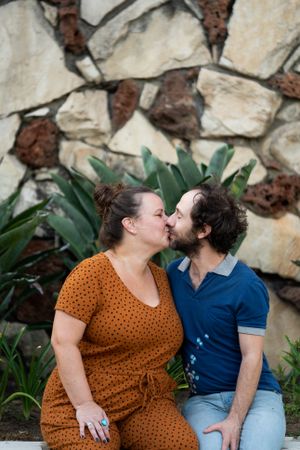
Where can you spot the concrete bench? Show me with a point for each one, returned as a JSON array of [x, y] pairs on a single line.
[[289, 444]]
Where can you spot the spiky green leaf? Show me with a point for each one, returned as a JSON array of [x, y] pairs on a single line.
[[188, 168], [171, 192], [239, 183], [219, 161], [149, 161], [105, 174], [68, 231]]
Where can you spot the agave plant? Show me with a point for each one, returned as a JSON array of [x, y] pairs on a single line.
[[15, 233], [81, 225]]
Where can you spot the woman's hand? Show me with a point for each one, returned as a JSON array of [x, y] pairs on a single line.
[[91, 415]]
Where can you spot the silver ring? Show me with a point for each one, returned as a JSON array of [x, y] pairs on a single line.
[[89, 424]]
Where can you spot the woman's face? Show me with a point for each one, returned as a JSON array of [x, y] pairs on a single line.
[[150, 222]]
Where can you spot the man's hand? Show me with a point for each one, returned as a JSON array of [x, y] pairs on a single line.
[[230, 429]]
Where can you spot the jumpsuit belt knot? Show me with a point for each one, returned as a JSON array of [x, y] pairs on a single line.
[[150, 387]]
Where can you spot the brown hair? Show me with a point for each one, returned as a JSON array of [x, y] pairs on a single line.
[[113, 203], [215, 206]]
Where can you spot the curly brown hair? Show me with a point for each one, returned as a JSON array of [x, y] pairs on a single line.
[[215, 206]]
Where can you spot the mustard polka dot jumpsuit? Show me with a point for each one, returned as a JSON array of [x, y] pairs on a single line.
[[125, 348]]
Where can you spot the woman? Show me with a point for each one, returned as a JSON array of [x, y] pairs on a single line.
[[114, 330]]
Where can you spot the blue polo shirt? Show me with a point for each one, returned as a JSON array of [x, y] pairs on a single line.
[[230, 300]]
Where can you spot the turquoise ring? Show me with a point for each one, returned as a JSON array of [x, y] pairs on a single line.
[[104, 422]]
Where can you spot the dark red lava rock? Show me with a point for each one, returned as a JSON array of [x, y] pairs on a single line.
[[279, 195], [288, 84], [174, 109], [37, 143], [215, 13], [124, 102], [74, 40]]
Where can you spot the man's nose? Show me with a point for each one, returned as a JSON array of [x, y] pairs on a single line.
[[171, 220]]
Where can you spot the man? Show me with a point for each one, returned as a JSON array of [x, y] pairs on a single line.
[[235, 400]]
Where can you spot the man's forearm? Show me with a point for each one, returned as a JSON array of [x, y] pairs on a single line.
[[247, 382]]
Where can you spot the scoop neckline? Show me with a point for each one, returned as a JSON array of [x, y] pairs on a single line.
[[151, 267]]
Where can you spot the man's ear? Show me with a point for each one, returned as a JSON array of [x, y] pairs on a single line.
[[206, 230], [128, 224]]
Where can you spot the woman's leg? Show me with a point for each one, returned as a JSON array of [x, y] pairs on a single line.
[[59, 438], [159, 427]]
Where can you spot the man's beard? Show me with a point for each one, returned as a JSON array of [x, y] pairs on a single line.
[[188, 244]]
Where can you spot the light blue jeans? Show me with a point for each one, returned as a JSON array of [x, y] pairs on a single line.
[[263, 428]]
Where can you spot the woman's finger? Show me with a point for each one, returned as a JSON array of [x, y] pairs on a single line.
[[100, 433], [105, 427], [93, 431], [81, 429]]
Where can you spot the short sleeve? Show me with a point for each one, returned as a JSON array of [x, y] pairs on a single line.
[[80, 293], [253, 308]]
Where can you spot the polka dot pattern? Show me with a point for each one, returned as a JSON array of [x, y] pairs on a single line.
[[125, 348]]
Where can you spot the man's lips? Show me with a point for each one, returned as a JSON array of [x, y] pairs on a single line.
[[171, 235]]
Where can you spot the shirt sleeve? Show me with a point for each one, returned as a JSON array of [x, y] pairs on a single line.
[[80, 293], [253, 308]]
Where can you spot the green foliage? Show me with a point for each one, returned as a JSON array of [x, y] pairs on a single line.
[[29, 380], [81, 225], [175, 370], [80, 228], [289, 378], [15, 234]]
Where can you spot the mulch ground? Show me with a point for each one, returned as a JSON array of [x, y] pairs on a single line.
[[13, 426]]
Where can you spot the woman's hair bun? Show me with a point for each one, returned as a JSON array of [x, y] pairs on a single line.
[[104, 195]]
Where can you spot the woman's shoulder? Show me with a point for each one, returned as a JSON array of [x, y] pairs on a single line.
[[93, 264]]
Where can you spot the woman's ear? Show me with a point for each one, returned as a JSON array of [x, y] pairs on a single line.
[[129, 225], [206, 230]]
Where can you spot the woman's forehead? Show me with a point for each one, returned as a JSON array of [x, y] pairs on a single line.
[[151, 202]]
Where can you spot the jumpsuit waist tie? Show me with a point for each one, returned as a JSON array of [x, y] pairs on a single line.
[[150, 385]]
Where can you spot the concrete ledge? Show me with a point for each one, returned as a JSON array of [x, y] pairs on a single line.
[[23, 445], [290, 443]]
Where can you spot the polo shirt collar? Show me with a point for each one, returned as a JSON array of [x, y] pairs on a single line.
[[224, 268]]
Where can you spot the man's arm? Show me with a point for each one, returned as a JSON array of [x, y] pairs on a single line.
[[252, 353]]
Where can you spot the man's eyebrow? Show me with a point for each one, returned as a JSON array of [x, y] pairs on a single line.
[[159, 210], [178, 211]]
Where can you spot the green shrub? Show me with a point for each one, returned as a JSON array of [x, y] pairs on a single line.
[[289, 378], [29, 379], [15, 233]]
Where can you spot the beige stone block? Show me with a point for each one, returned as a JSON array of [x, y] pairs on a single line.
[[143, 54], [261, 35], [235, 106]]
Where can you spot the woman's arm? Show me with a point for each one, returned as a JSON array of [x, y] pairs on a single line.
[[66, 335]]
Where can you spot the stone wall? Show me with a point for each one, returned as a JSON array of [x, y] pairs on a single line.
[[102, 78]]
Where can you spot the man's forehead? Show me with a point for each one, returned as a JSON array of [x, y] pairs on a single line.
[[187, 201]]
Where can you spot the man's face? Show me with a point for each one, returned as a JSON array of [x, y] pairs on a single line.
[[182, 237]]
